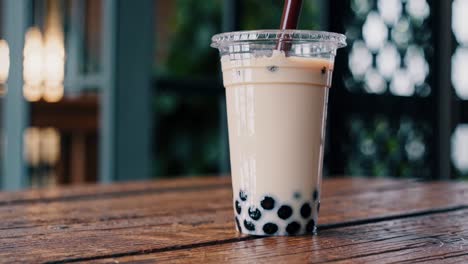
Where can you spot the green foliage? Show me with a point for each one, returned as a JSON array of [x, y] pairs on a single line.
[[193, 25], [266, 14], [459, 175], [381, 147], [195, 22], [187, 141]]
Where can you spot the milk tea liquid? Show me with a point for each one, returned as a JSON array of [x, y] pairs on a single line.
[[276, 116]]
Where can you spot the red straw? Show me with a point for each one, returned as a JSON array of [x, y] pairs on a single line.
[[289, 20]]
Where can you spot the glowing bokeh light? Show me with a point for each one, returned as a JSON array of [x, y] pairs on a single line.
[[459, 21], [418, 9], [4, 61], [388, 60], [360, 59], [401, 83], [460, 72], [44, 59], [375, 83], [374, 31], [416, 64], [460, 148], [390, 10]]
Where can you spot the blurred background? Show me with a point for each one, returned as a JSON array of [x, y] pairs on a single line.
[[115, 90]]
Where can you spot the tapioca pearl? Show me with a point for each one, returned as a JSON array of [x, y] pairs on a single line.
[[243, 195], [306, 210], [323, 70], [315, 195], [238, 224], [267, 203], [293, 228], [310, 226], [238, 207], [285, 211], [272, 68], [254, 213], [318, 207], [297, 195], [249, 225], [270, 228]]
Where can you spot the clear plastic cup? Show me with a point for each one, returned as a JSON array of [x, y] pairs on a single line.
[[276, 106]]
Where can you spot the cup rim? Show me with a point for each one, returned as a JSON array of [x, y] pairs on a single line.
[[289, 35]]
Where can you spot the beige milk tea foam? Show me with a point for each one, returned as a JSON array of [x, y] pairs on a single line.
[[276, 116]]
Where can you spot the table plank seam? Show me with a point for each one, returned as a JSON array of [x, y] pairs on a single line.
[[404, 186], [246, 238], [433, 257], [374, 254], [121, 194], [365, 242], [125, 217], [363, 255], [156, 250], [392, 217], [19, 227]]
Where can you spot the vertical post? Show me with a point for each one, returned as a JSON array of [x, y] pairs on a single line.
[[443, 88], [126, 114], [75, 45], [16, 15], [106, 138]]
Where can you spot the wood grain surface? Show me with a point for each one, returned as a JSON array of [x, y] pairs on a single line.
[[190, 220], [438, 237]]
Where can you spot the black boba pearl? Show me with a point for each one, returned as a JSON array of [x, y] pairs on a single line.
[[249, 225], [243, 195], [238, 225], [318, 207], [238, 208], [323, 70], [254, 213], [306, 210], [297, 195], [268, 203], [310, 226], [284, 212], [270, 228], [315, 195], [293, 228], [272, 68]]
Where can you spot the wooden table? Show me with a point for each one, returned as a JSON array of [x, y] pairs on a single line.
[[191, 221]]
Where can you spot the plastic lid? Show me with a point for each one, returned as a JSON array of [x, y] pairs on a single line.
[[274, 35]]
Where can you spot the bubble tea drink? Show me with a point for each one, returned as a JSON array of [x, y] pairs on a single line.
[[277, 104]]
